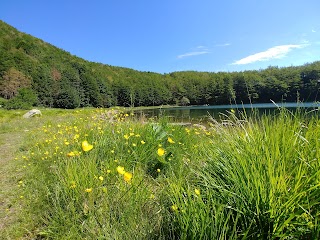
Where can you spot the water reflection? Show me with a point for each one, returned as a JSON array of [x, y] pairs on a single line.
[[203, 113]]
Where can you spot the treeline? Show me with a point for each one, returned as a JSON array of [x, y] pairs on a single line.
[[33, 72]]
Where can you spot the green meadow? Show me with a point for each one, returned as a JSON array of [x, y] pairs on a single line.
[[106, 174]]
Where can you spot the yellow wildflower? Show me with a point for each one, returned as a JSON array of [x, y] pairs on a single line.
[[143, 142], [152, 196], [127, 176], [121, 170], [101, 178], [86, 146], [73, 184], [126, 136], [161, 152], [88, 190], [197, 191], [170, 140], [71, 154], [108, 171], [158, 170], [174, 207]]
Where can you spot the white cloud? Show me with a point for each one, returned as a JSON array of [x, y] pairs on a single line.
[[272, 53], [202, 47], [189, 54], [313, 31], [223, 45]]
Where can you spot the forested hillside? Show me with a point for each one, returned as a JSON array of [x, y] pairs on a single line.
[[33, 72]]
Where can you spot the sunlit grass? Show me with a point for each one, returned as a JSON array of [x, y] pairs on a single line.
[[106, 175]]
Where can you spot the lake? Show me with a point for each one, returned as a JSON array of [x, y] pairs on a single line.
[[202, 113]]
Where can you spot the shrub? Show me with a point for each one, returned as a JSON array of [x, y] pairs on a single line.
[[25, 99]]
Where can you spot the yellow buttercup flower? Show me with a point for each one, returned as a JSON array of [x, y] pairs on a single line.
[[170, 140], [71, 154], [121, 170], [174, 207], [197, 191], [143, 142], [88, 190], [127, 176], [101, 178], [73, 184], [74, 153], [161, 152], [152, 196], [86, 146]]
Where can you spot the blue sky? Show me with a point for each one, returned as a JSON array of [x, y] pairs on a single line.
[[175, 35]]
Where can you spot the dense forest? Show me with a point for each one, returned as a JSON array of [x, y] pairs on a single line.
[[33, 72]]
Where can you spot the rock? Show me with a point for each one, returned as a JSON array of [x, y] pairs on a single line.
[[32, 113]]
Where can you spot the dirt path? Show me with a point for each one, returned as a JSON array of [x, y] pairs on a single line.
[[9, 206]]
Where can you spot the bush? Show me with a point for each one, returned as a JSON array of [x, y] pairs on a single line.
[[3, 102], [25, 99]]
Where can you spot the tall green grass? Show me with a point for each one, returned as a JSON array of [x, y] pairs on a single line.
[[240, 179]]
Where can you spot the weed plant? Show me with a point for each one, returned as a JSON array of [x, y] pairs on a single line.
[[107, 175]]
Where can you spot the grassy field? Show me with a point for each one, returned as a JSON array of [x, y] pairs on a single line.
[[104, 174]]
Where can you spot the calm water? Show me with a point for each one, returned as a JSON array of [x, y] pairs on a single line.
[[202, 113]]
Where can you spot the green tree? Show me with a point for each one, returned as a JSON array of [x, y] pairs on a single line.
[[184, 101], [68, 98]]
